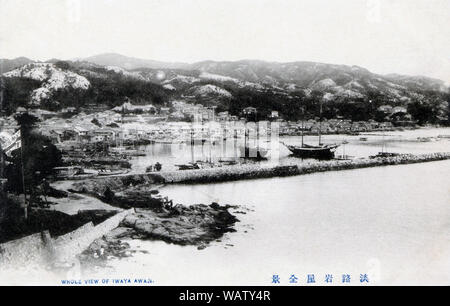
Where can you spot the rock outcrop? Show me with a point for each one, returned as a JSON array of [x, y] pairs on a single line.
[[197, 224]]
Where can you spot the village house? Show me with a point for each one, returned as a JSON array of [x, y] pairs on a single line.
[[100, 135], [249, 111], [164, 111], [55, 136], [223, 116], [274, 115]]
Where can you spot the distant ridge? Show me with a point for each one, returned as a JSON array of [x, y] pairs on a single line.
[[10, 64], [347, 91], [130, 63], [226, 67]]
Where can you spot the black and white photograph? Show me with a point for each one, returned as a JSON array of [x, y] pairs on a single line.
[[273, 143]]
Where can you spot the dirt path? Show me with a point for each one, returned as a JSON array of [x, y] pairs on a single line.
[[76, 202]]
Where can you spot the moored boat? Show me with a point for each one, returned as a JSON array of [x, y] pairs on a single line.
[[321, 151], [253, 153], [384, 155], [73, 173], [309, 151], [108, 172], [188, 166]]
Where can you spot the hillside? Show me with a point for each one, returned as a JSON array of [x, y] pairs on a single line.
[[51, 78], [348, 91], [56, 85]]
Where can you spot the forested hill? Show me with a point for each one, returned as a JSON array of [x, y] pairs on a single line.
[[53, 86]]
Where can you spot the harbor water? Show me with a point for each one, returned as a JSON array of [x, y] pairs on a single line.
[[410, 141], [391, 223]]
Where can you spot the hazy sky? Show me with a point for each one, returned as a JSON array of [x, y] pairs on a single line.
[[403, 36]]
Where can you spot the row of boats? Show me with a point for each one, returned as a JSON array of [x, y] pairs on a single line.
[[80, 173]]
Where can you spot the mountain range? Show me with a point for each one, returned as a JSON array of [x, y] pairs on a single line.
[[285, 87]]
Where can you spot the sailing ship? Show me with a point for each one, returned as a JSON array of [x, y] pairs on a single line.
[[321, 151]]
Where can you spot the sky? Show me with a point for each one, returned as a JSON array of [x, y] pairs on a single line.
[[385, 36]]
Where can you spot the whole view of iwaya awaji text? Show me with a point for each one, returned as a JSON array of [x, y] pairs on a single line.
[[119, 170]]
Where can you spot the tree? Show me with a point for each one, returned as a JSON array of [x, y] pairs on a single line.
[[26, 123], [38, 154], [421, 112], [17, 92]]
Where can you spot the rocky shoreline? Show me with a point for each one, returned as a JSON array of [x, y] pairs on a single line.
[[157, 218], [196, 225]]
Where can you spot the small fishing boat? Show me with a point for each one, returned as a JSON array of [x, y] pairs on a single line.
[[109, 172], [73, 173], [188, 166], [128, 152], [444, 136], [384, 155], [256, 152], [253, 153], [425, 139], [228, 162]]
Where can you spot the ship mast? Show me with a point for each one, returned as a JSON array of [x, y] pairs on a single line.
[[303, 125], [257, 133], [320, 124], [192, 144]]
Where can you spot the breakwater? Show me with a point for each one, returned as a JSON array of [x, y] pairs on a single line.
[[97, 186], [254, 171]]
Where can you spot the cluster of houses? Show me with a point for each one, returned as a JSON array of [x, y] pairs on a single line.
[[331, 126], [136, 122], [195, 112]]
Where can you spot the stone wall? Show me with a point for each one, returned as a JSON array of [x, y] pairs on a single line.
[[71, 244], [40, 249], [33, 249]]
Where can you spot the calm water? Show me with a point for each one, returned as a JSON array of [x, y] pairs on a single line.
[[392, 223], [402, 142]]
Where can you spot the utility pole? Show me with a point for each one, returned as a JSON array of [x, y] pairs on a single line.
[[2, 162], [2, 157], [320, 125], [23, 177]]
